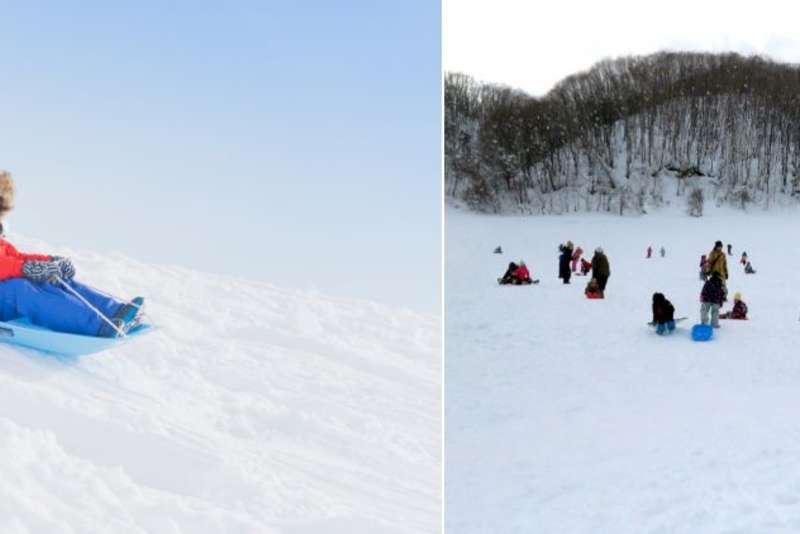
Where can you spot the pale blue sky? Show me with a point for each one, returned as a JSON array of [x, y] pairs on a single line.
[[296, 143]]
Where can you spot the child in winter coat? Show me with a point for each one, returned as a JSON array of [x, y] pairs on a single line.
[[521, 275], [42, 288], [663, 314], [593, 290], [575, 257], [748, 269], [516, 274], [711, 297], [739, 309], [649, 252], [743, 260], [586, 266]]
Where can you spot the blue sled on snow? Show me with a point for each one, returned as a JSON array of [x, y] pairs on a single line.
[[24, 333], [702, 332]]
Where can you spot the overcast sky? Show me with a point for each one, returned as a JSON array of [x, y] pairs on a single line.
[[532, 45]]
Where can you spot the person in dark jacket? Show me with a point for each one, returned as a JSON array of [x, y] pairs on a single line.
[[748, 269], [508, 277], [730, 252], [711, 297], [600, 268], [564, 259], [739, 309], [663, 314]]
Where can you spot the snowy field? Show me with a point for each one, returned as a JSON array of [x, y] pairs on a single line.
[[251, 410], [569, 415]]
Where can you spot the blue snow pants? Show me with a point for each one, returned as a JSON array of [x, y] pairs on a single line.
[[661, 328], [52, 306]]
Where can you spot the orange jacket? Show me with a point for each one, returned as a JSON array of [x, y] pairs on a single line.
[[11, 260]]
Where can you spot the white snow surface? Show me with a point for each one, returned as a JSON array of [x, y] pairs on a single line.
[[252, 409], [569, 415]]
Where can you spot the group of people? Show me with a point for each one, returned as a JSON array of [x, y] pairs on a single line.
[[649, 254], [517, 273], [714, 272], [599, 267]]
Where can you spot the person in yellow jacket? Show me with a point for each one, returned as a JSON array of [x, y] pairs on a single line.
[[716, 262]]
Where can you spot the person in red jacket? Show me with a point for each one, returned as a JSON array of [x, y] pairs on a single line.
[[586, 266], [593, 290], [42, 288], [521, 275], [575, 257]]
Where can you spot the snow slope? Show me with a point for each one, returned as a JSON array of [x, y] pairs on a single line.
[[252, 410], [570, 415]]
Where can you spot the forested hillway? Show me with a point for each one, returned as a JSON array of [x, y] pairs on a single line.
[[724, 126]]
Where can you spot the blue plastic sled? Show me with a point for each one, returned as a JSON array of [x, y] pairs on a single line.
[[23, 332], [702, 332]]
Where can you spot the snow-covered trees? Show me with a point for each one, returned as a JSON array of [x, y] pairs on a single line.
[[600, 139]]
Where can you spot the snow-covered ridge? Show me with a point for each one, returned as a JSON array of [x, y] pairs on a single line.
[[597, 141], [251, 409]]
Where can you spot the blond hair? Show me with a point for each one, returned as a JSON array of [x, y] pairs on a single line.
[[6, 193]]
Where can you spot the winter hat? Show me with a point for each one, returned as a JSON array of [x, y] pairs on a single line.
[[6, 193], [569, 244], [718, 244], [599, 250], [522, 263], [737, 297]]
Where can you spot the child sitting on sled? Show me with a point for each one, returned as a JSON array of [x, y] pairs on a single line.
[[516, 274], [663, 314], [42, 288], [593, 290], [748, 269], [739, 309]]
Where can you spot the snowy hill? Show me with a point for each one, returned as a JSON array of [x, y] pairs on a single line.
[[252, 409], [571, 415]]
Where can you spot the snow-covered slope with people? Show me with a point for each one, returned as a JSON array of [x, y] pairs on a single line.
[[571, 415], [251, 409]]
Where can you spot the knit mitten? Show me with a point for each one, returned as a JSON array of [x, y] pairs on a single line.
[[41, 271]]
